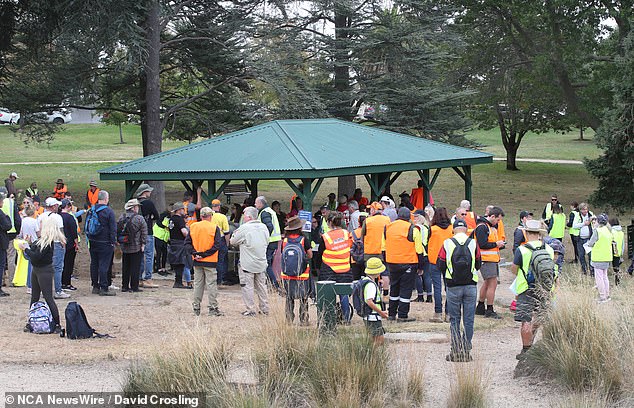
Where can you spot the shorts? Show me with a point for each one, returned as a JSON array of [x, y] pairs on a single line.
[[490, 270], [374, 328], [528, 307]]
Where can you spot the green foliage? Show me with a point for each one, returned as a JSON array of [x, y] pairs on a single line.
[[614, 170]]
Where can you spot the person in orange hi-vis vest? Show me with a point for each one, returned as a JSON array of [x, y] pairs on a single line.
[[372, 233], [59, 190], [441, 229], [489, 242], [92, 193], [417, 196], [470, 217]]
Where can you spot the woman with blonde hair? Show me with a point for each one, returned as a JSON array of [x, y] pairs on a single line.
[[40, 254]]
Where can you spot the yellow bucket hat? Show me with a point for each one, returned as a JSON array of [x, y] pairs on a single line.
[[374, 266]]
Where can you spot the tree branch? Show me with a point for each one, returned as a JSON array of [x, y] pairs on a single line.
[[182, 39]]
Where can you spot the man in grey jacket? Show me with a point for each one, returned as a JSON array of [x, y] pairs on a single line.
[[132, 236], [253, 239]]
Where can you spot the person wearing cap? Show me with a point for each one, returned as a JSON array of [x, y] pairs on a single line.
[[357, 267], [72, 243], [402, 246], [461, 287], [372, 235], [5, 225], [59, 189], [268, 217], [222, 222], [297, 287], [203, 243], [32, 191], [253, 238], [51, 207], [149, 212], [388, 206], [374, 301], [519, 235], [343, 203], [92, 194], [176, 248], [532, 302], [547, 213], [12, 192], [101, 245], [602, 256], [132, 230], [332, 202], [12, 210]]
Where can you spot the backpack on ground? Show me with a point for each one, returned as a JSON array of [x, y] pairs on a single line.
[[293, 257], [77, 326], [541, 270], [40, 319], [123, 230], [358, 299], [356, 251], [461, 263], [93, 226]]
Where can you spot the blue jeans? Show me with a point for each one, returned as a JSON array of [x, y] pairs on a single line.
[[461, 303], [100, 260], [187, 274], [423, 282], [58, 265], [582, 254], [28, 275], [270, 252], [222, 267], [148, 266], [436, 278], [345, 307]]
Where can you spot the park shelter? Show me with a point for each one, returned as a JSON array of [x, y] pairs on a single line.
[[302, 153]]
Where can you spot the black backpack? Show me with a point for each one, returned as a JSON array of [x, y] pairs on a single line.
[[461, 263], [123, 230], [77, 326], [356, 251], [358, 301]]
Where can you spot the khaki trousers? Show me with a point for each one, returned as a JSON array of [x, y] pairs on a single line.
[[254, 284], [205, 276]]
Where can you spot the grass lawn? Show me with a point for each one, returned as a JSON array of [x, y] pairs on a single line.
[[549, 145]]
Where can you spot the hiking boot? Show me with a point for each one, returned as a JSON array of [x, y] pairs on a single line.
[[419, 299], [391, 318], [430, 299], [61, 295], [3, 293], [521, 355], [459, 357], [95, 290], [136, 290], [437, 318], [215, 312], [492, 315], [447, 318], [125, 290], [179, 285], [480, 309], [248, 313], [107, 293], [405, 319], [148, 283], [197, 312]]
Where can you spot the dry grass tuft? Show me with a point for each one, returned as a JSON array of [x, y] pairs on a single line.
[[468, 388]]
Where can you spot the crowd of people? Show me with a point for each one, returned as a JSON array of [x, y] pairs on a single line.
[[399, 248]]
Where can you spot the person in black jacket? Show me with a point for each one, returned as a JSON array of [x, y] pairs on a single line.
[[102, 246], [72, 243], [40, 254], [5, 225]]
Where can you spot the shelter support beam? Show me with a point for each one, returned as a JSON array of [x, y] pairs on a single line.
[[428, 183], [465, 174], [309, 191], [131, 187], [378, 183], [214, 192]]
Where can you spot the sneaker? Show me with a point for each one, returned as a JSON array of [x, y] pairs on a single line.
[[437, 318], [73, 277], [459, 357], [3, 293], [113, 287], [247, 313], [163, 272], [430, 299], [61, 295], [197, 312], [513, 306], [68, 287], [125, 290], [107, 293], [149, 283], [136, 290], [419, 299], [28, 291], [215, 312], [391, 318], [492, 315], [405, 319], [179, 285], [95, 290], [264, 313], [480, 309], [58, 329]]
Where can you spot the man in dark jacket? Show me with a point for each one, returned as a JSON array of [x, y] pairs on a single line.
[[102, 245], [72, 243], [5, 225], [132, 224], [150, 214]]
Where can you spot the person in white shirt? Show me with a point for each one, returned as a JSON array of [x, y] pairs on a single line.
[[583, 222]]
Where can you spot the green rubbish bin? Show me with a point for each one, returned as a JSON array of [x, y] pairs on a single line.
[[327, 292]]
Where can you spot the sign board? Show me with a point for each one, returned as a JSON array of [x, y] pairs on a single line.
[[307, 217]]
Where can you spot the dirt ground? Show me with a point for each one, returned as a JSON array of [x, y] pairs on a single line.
[[143, 323]]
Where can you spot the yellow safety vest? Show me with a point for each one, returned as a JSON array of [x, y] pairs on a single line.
[[577, 218], [602, 249], [8, 209], [276, 235], [618, 237], [558, 226], [521, 285], [450, 246]]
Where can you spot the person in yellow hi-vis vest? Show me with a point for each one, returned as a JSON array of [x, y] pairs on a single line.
[[601, 256], [618, 241]]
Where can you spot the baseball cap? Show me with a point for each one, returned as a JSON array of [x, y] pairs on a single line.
[[215, 202], [14, 174], [206, 211], [525, 214], [385, 199], [178, 206], [404, 213], [51, 201], [65, 203], [376, 206], [460, 224]]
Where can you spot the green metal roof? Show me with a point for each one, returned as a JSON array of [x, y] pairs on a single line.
[[310, 148]]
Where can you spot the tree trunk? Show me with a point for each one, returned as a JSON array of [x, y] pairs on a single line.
[[581, 133], [511, 156], [121, 134], [346, 185]]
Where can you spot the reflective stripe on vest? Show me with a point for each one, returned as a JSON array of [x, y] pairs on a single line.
[[32, 192], [602, 249], [450, 246], [559, 226], [276, 235], [162, 233], [337, 250], [491, 254], [8, 209], [374, 227], [618, 237], [203, 234], [398, 248], [306, 274]]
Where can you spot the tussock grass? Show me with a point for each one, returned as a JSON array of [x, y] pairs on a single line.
[[468, 387]]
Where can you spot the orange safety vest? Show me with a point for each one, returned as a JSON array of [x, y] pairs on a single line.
[[437, 237], [398, 248], [416, 198], [59, 193], [374, 227], [306, 274], [189, 219], [492, 254], [470, 220], [92, 197], [203, 235], [501, 232], [336, 253]]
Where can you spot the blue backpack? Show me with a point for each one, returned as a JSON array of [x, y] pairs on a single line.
[[40, 319], [293, 257], [93, 225]]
